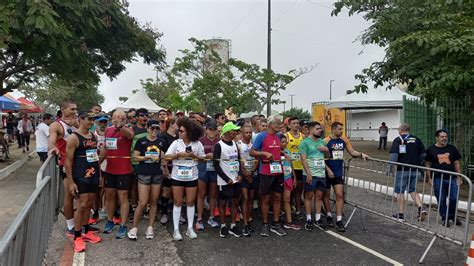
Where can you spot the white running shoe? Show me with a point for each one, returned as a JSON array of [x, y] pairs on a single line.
[[132, 234], [191, 234], [149, 233], [177, 236]]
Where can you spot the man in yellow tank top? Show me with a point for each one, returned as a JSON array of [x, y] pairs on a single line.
[[294, 137]]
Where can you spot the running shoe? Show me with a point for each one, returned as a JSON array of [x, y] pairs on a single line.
[[79, 245], [216, 212], [227, 211], [164, 219], [292, 226], [246, 230], [445, 223], [340, 226], [93, 221], [255, 205], [90, 237], [122, 232], [422, 213], [94, 229], [329, 221], [149, 233], [212, 222], [224, 232], [191, 234], [457, 222], [132, 234], [182, 220], [276, 229], [399, 216], [109, 227], [299, 216], [235, 231], [177, 236], [117, 221], [319, 224], [199, 225], [251, 228], [309, 226], [265, 230], [68, 232], [146, 212]]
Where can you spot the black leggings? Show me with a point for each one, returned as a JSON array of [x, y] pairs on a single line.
[[25, 140]]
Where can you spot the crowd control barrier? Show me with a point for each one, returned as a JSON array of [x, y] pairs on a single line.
[[26, 240], [371, 185]]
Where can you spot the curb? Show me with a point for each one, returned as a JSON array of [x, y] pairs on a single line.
[[7, 171]]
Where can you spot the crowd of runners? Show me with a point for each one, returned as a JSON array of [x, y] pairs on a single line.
[[136, 164]]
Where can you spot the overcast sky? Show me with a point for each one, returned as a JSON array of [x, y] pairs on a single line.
[[304, 33]]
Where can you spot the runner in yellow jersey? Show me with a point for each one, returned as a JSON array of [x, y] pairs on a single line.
[[295, 137]]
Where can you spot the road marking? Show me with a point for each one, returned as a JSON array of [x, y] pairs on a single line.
[[79, 259], [371, 251]]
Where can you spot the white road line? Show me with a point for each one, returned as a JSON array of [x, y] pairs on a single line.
[[79, 259], [371, 251]]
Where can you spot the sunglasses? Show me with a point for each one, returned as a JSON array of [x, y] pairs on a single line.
[[143, 115], [131, 116], [154, 128]]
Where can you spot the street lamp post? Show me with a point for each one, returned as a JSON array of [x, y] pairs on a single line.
[[330, 88], [291, 102]]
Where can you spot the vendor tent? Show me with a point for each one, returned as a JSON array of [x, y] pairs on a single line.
[[9, 104], [28, 106], [372, 99], [140, 100]]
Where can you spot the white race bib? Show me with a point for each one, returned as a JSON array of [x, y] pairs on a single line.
[[92, 156], [275, 168], [234, 166], [210, 166], [337, 155], [185, 172], [111, 143], [296, 156], [287, 170], [402, 149], [151, 154], [249, 163], [318, 163]]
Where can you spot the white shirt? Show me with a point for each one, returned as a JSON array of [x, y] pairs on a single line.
[[185, 170], [230, 164], [244, 150], [42, 137]]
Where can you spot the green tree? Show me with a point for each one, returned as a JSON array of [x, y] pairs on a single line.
[[262, 82], [297, 112], [160, 91], [71, 40], [429, 45], [184, 103], [49, 94]]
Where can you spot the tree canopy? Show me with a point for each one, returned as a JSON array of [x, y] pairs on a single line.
[[70, 40], [429, 44]]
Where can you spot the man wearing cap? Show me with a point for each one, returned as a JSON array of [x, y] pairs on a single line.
[[82, 174], [207, 181], [229, 177]]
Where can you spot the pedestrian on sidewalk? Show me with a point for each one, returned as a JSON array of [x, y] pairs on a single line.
[[383, 133], [42, 137], [25, 128]]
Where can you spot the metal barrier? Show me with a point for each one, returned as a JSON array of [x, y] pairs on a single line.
[[26, 240], [371, 186]]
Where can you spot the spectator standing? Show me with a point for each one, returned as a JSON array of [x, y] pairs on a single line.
[[25, 128], [42, 137], [383, 133]]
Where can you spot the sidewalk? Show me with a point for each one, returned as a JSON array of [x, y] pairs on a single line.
[[17, 153], [15, 190]]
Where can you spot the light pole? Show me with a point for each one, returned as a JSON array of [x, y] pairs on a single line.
[[291, 102], [284, 106], [330, 88]]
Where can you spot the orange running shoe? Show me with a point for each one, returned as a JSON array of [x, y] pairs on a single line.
[[216, 212], [117, 220], [227, 211], [79, 245], [90, 237], [92, 221], [237, 217]]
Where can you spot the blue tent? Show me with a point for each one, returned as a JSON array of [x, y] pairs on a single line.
[[8, 104]]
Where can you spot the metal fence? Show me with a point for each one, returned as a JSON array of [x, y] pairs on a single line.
[[372, 186], [26, 240]]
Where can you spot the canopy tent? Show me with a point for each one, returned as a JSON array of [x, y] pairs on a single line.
[[140, 100], [9, 104], [28, 106], [372, 99]]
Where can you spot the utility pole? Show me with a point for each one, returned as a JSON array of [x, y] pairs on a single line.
[[284, 106], [330, 89], [291, 95], [269, 59]]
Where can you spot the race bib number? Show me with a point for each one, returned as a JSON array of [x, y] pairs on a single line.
[[210, 166], [92, 156], [402, 149], [249, 163], [111, 143], [318, 163], [296, 156], [234, 167], [287, 170], [151, 154], [338, 155], [275, 168], [185, 172]]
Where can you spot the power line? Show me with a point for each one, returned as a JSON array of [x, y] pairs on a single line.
[[245, 17], [325, 6], [284, 12]]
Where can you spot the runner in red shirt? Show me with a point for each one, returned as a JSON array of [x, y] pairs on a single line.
[[118, 173]]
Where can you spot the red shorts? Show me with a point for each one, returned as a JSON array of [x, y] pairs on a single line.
[[288, 184]]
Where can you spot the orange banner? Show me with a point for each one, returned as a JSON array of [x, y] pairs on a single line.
[[327, 116]]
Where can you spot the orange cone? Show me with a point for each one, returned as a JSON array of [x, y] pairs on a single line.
[[470, 254]]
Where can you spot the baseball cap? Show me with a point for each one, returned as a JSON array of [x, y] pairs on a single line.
[[211, 124], [101, 117], [152, 123], [229, 126], [86, 113]]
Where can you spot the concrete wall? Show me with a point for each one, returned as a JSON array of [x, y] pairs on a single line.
[[364, 124]]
